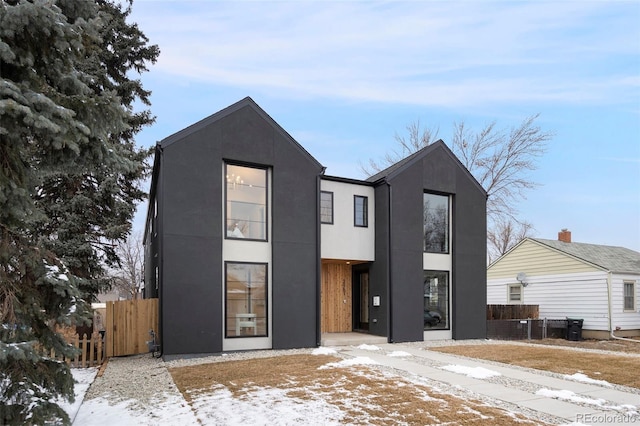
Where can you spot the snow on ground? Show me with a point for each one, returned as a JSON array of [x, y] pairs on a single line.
[[569, 396], [579, 377], [167, 411], [83, 378], [261, 406], [399, 354], [348, 362], [475, 372], [323, 350], [366, 347]]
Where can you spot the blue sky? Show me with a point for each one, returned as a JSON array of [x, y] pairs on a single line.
[[343, 77]]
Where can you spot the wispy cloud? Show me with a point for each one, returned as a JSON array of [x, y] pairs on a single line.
[[426, 53]]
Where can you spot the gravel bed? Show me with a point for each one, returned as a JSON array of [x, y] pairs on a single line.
[[140, 379]]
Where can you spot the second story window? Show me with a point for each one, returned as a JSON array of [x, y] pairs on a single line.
[[246, 202], [436, 223], [361, 211], [326, 207]]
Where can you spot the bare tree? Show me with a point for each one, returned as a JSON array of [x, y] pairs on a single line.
[[128, 278], [499, 160], [504, 235]]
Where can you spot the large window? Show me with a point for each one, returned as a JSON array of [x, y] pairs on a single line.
[[629, 296], [246, 299], [436, 223], [360, 211], [326, 207], [436, 300], [246, 202]]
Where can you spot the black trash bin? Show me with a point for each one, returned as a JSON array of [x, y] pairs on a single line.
[[574, 329]]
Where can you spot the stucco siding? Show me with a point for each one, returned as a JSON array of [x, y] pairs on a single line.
[[341, 239], [576, 295], [535, 259]]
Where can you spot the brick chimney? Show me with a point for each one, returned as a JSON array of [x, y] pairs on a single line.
[[564, 235]]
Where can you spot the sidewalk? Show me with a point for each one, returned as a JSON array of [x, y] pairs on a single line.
[[579, 403]]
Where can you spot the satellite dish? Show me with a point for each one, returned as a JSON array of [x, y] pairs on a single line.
[[522, 278]]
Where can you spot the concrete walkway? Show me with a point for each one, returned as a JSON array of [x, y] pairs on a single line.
[[601, 404]]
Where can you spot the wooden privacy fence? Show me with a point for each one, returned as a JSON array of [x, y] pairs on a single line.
[[127, 326], [508, 312]]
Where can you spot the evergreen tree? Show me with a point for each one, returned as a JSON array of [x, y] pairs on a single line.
[[69, 181]]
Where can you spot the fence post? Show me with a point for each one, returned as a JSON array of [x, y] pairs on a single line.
[[529, 328]]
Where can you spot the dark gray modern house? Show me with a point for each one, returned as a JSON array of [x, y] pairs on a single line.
[[250, 245]]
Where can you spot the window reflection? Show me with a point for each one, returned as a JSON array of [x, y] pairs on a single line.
[[436, 223], [246, 202]]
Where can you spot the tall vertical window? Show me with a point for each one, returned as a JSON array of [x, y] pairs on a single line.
[[326, 207], [246, 299], [360, 211], [246, 202], [436, 223], [436, 300], [629, 296]]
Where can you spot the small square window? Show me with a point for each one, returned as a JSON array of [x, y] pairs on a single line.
[[361, 211], [326, 207], [515, 293]]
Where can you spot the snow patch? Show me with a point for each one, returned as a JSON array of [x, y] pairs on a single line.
[[366, 347], [262, 406], [475, 372], [579, 377], [569, 396], [399, 354], [360, 360], [323, 350]]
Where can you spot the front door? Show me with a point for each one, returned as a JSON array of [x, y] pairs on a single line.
[[361, 300], [336, 298]]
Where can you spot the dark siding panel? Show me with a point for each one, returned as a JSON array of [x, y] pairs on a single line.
[[470, 260], [295, 254], [294, 295], [406, 255], [246, 136], [192, 288], [379, 269], [192, 186]]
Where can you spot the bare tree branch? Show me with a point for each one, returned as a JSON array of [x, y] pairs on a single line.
[[499, 160], [128, 277]]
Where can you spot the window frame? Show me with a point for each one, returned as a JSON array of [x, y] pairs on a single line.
[[449, 290], [365, 211], [511, 301], [266, 300], [447, 228], [632, 297], [266, 201], [332, 209]]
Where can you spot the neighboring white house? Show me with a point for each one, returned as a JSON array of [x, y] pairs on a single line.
[[596, 283]]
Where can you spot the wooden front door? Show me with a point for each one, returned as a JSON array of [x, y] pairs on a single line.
[[336, 298]]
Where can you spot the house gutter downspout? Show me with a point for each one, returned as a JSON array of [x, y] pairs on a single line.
[[319, 261], [609, 292], [160, 216], [389, 259]]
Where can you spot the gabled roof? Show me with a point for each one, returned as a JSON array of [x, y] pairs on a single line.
[[613, 259], [246, 102], [397, 168]]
